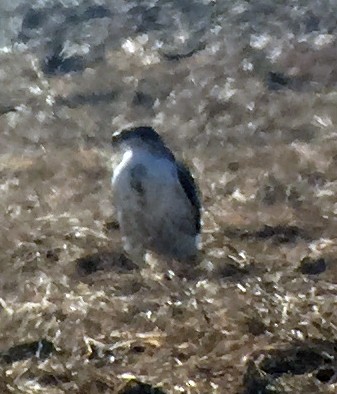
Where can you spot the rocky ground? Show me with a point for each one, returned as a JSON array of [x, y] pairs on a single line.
[[245, 92]]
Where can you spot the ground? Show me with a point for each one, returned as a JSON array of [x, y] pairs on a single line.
[[246, 94]]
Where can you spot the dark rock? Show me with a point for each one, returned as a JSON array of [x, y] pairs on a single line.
[[138, 349], [112, 225], [49, 380], [5, 109], [41, 23], [52, 254], [96, 11], [89, 264], [57, 64], [143, 99], [279, 233], [266, 368], [77, 100], [256, 326], [233, 166], [293, 361], [182, 54], [277, 81], [232, 269], [311, 22], [145, 18], [326, 374], [101, 261], [33, 19], [92, 12], [310, 266], [40, 349], [136, 387]]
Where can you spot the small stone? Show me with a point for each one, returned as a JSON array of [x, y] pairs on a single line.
[[136, 387], [309, 266]]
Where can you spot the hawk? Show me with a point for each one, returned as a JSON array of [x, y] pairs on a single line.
[[155, 196]]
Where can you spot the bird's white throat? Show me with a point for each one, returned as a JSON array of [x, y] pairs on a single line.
[[161, 168], [126, 158]]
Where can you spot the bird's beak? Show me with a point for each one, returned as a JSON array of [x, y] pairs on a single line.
[[115, 137]]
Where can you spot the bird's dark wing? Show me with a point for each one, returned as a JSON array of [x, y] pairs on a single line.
[[187, 182], [137, 175]]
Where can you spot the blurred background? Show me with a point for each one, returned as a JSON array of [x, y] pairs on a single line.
[[244, 92]]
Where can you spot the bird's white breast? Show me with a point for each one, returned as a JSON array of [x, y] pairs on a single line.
[[160, 172]]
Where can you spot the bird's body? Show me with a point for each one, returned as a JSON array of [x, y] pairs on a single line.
[[156, 200]]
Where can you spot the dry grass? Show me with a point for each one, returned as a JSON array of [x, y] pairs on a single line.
[[258, 314]]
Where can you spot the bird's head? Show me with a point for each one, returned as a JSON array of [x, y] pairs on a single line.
[[143, 137]]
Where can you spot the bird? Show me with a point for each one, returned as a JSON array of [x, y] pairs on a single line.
[[155, 196]]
